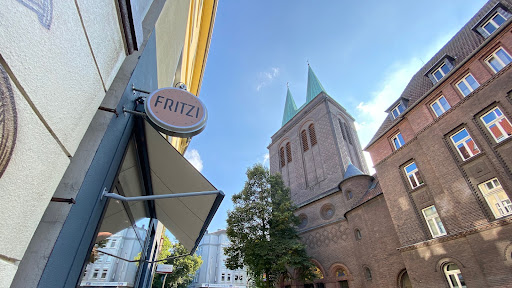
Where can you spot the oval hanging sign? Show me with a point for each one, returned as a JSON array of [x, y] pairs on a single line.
[[176, 112]]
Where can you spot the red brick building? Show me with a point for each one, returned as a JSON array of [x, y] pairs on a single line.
[[438, 213]]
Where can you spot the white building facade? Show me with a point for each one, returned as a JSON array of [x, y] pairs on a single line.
[[213, 272]]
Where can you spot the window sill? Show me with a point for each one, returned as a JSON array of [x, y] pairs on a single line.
[[472, 158], [439, 236], [501, 143], [417, 188]]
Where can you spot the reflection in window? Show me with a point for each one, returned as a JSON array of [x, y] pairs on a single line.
[[413, 175], [435, 225], [498, 60], [453, 275], [465, 144], [317, 273], [397, 110], [118, 237], [496, 198], [398, 141], [467, 85], [340, 272], [441, 71], [440, 106], [497, 124], [494, 23]]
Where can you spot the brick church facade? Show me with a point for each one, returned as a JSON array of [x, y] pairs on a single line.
[[437, 212]]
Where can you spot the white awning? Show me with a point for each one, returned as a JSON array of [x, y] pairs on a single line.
[[186, 217]]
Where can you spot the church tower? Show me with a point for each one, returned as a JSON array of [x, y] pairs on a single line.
[[316, 146]]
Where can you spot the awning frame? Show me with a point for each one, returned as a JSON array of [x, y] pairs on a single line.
[[112, 195]]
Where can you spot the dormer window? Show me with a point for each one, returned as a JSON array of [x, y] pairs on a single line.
[[494, 23], [496, 17], [442, 67], [397, 110], [441, 71]]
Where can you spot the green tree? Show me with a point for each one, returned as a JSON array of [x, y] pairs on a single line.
[[184, 267], [262, 231]]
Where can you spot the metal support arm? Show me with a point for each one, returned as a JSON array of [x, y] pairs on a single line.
[[154, 197]]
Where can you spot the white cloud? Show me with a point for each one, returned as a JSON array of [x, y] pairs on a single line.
[[265, 78], [194, 158], [371, 113], [265, 157], [369, 162]]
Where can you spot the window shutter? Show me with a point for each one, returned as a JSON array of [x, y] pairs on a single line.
[[312, 134], [304, 137], [288, 152]]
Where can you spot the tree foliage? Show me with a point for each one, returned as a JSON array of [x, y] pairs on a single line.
[[262, 231], [184, 268]]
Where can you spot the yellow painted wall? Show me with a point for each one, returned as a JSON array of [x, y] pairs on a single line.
[[201, 17]]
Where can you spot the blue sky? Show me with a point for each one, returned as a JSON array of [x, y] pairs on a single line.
[[363, 52]]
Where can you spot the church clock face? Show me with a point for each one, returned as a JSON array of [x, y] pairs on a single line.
[[8, 120]]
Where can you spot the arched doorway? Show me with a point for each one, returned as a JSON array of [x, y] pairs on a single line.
[[403, 280]]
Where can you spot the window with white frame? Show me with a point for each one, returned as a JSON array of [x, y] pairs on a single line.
[[113, 243], [441, 71], [498, 59], [497, 124], [95, 273], [467, 85], [496, 198], [104, 274], [397, 110], [494, 23], [398, 140], [454, 276], [440, 106], [433, 221], [223, 277], [465, 144], [413, 175]]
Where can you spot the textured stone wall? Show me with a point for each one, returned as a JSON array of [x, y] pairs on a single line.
[[335, 243]]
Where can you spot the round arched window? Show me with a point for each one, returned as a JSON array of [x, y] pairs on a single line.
[[404, 281], [340, 272], [303, 220], [358, 234], [367, 273], [327, 211], [349, 194], [453, 275]]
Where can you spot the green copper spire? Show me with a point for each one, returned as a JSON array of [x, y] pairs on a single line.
[[314, 86], [290, 109]]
